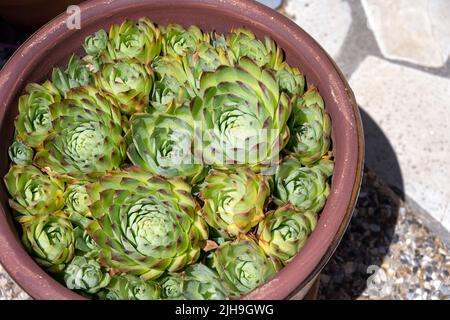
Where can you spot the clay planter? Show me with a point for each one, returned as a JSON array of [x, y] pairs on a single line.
[[54, 43]]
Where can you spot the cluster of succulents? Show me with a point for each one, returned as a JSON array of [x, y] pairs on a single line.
[[169, 163]]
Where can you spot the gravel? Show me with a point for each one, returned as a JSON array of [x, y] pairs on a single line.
[[386, 253]]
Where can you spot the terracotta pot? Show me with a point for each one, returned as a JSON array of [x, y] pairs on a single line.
[[31, 14], [53, 44]]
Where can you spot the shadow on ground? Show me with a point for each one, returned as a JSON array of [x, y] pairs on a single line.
[[371, 230]]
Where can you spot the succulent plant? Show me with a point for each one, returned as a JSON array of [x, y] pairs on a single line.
[[234, 202], [130, 83], [131, 288], [202, 283], [76, 199], [242, 42], [32, 192], [87, 136], [76, 75], [145, 225], [84, 244], [290, 80], [95, 45], [49, 239], [205, 59], [169, 163], [34, 121], [242, 265], [310, 128], [171, 88], [284, 231], [139, 40], [172, 286], [163, 144], [304, 187], [85, 274], [20, 153], [178, 41], [241, 120]]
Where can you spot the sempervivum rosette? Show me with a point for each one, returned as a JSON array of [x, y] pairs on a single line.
[[139, 40], [171, 88], [241, 120], [242, 265], [310, 128], [49, 239], [284, 231], [178, 41], [34, 121], [169, 163], [205, 59], [128, 287], [130, 83], [87, 136], [290, 80], [202, 283], [172, 286], [76, 75], [85, 274], [145, 225], [163, 144], [197, 282], [234, 202], [306, 188], [32, 191], [20, 153], [242, 42]]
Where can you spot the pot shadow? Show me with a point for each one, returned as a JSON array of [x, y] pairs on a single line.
[[371, 230]]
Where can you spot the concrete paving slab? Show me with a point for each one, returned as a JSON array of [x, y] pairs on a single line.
[[327, 21], [412, 110], [416, 31]]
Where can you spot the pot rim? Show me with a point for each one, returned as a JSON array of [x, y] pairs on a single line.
[[322, 242]]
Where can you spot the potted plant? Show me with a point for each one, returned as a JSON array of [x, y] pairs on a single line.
[[54, 44]]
